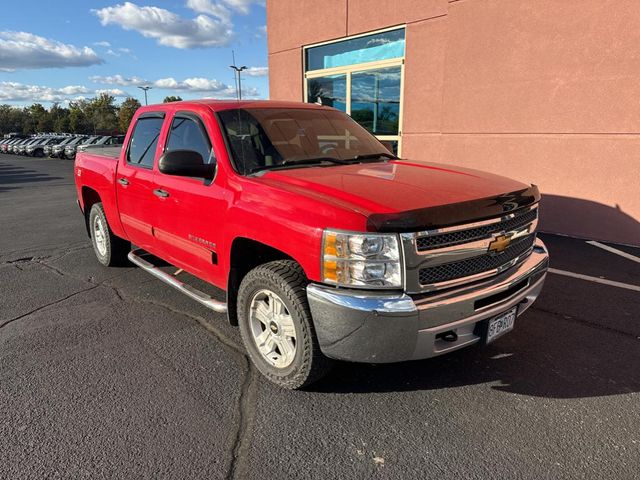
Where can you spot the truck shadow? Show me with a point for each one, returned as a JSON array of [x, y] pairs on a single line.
[[587, 219], [551, 369], [580, 339]]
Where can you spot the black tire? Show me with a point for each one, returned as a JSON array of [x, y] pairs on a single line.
[[286, 279], [114, 250]]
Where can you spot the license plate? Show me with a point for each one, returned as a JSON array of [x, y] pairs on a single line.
[[501, 324]]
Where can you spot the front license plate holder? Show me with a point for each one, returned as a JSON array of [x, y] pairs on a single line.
[[500, 324]]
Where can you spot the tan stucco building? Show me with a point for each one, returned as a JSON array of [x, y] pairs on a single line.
[[545, 91]]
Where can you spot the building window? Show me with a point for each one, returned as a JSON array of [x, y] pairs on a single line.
[[363, 77]]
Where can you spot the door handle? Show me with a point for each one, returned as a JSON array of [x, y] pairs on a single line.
[[123, 181], [160, 193]]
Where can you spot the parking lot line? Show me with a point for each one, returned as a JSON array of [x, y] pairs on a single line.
[[589, 278], [626, 255]]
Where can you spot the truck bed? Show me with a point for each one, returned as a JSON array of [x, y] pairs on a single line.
[[108, 152]]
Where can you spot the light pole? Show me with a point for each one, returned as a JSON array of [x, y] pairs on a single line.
[[237, 71], [146, 88]]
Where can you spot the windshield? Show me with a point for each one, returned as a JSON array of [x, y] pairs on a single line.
[[262, 138]]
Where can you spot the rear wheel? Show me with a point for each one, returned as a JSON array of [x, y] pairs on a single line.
[[276, 325], [109, 249]]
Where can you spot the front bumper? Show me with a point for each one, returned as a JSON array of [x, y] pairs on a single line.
[[370, 327]]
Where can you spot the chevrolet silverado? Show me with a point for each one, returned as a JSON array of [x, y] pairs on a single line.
[[327, 246]]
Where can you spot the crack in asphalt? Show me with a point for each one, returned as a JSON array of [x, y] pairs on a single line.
[[50, 304], [50, 249], [51, 267], [240, 439], [246, 410], [20, 260]]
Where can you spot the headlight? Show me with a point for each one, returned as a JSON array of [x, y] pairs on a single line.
[[361, 259]]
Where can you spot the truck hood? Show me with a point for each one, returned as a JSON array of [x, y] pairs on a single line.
[[404, 195]]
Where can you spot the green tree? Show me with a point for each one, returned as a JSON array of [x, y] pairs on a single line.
[[101, 113], [171, 98], [11, 119], [78, 121], [34, 114], [61, 124], [45, 122], [59, 118], [125, 113]]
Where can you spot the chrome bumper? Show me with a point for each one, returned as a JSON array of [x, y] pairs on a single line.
[[366, 326]]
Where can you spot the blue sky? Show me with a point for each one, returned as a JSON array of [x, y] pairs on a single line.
[[63, 50]]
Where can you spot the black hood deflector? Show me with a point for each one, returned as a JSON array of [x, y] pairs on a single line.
[[453, 214]]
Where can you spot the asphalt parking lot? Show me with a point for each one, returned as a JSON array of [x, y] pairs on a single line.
[[108, 373]]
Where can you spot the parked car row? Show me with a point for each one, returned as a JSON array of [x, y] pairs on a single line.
[[57, 146]]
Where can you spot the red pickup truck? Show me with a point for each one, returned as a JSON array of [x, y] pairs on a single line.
[[327, 245]]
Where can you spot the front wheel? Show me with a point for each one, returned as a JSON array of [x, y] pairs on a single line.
[[276, 325], [109, 249]]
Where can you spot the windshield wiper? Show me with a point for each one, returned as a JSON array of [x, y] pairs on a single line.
[[302, 161], [314, 160], [319, 160], [374, 156]]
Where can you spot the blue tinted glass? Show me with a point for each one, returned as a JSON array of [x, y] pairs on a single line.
[[330, 91], [375, 100], [380, 46]]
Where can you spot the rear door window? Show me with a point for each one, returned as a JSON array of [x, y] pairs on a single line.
[[142, 148]]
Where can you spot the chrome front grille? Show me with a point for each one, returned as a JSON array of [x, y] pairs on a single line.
[[452, 256], [475, 265], [445, 239]]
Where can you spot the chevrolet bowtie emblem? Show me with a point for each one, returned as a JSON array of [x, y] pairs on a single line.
[[499, 244]]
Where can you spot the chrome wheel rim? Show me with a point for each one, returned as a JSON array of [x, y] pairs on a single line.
[[272, 329], [99, 234]]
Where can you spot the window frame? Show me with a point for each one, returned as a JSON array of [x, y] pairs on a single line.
[[349, 70], [201, 125], [146, 115]]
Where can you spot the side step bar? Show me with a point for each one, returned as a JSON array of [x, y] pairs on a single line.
[[135, 257]]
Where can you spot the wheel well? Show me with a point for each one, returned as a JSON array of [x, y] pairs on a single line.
[[246, 254], [89, 198]]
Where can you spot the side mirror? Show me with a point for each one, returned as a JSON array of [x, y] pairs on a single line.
[[185, 163]]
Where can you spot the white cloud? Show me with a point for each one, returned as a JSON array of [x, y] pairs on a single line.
[[118, 80], [209, 86], [221, 8], [210, 8], [114, 92], [166, 27], [102, 44], [22, 50], [242, 6], [19, 92], [257, 71], [73, 90]]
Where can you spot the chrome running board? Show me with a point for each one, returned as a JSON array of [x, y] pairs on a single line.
[[135, 257]]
